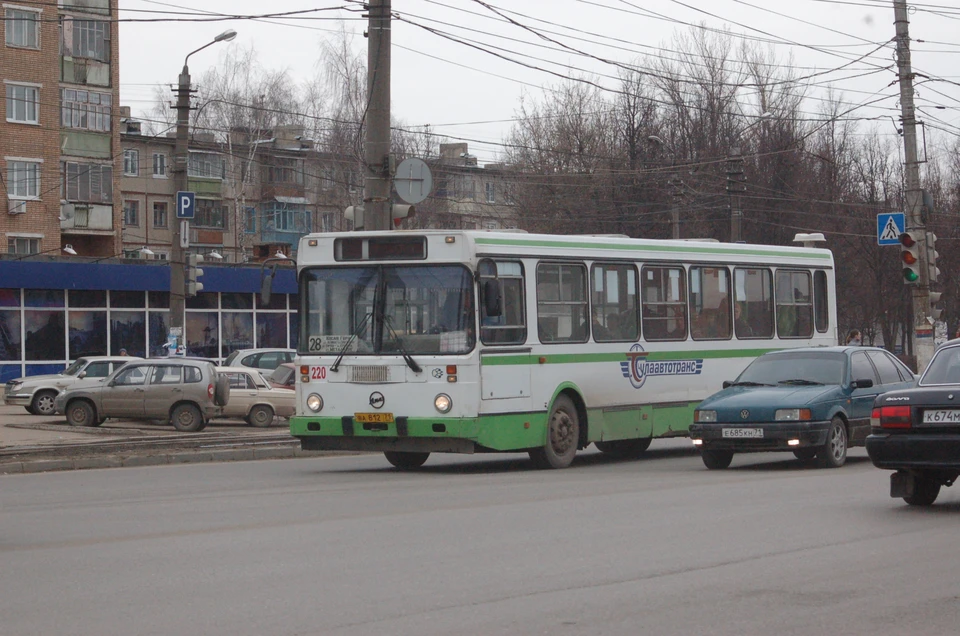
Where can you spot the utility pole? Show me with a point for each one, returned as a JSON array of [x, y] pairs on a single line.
[[676, 184], [376, 147], [735, 187], [180, 165], [920, 293]]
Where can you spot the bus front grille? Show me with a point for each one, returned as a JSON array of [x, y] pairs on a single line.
[[369, 374]]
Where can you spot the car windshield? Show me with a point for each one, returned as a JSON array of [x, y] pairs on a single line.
[[402, 309], [799, 367], [944, 368], [282, 374], [230, 358], [74, 368]]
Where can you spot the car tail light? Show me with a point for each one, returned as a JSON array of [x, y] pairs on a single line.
[[892, 416], [210, 391]]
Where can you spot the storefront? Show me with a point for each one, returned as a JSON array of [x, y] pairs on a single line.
[[54, 312]]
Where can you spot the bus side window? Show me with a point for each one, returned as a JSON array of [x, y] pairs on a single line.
[[509, 325], [562, 302], [794, 304], [664, 303], [753, 297]]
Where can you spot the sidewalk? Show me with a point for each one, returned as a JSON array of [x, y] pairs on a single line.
[[19, 428]]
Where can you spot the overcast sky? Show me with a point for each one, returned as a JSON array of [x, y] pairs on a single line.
[[471, 95]]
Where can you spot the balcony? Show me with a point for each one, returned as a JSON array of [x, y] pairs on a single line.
[[86, 218]]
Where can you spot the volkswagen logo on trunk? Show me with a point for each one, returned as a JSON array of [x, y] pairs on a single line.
[[377, 400], [744, 414]]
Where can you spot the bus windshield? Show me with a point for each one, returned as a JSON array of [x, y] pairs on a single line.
[[388, 309]]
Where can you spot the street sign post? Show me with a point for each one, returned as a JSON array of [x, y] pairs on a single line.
[[413, 180], [890, 225], [186, 204]]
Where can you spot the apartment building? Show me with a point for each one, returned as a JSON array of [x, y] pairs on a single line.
[[467, 195], [58, 139]]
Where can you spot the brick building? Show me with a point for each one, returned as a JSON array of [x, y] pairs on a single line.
[[59, 139]]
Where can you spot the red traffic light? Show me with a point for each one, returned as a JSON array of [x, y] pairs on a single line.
[[907, 240]]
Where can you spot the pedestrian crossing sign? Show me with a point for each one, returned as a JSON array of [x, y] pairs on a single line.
[[890, 226]]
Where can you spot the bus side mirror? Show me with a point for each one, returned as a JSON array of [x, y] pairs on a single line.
[[491, 298]]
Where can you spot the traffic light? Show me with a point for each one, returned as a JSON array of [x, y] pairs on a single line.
[[935, 311], [398, 213], [910, 257], [192, 274], [932, 254]]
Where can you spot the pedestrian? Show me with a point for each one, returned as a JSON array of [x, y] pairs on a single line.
[[123, 352], [853, 338]]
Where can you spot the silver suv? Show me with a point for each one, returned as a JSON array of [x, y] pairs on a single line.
[[36, 393], [186, 393]]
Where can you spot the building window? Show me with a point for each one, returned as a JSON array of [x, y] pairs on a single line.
[[491, 192], [209, 213], [87, 182], [23, 179], [286, 171], [159, 165], [205, 165], [131, 163], [286, 217], [23, 245], [87, 110], [23, 104], [327, 221], [131, 213], [86, 38], [250, 220], [23, 28], [159, 214]]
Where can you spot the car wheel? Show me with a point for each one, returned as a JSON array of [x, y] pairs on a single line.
[[625, 448], [925, 491], [406, 461], [716, 459], [805, 454], [187, 418], [29, 409], [221, 390], [834, 453], [80, 413], [260, 415], [563, 436], [42, 403]]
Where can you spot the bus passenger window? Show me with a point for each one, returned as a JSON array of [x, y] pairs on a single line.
[[821, 307], [794, 304], [709, 303], [562, 302], [664, 303], [613, 294], [753, 303]]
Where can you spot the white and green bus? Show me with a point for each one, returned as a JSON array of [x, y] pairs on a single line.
[[473, 342]]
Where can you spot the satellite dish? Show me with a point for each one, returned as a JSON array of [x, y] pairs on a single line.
[[413, 180]]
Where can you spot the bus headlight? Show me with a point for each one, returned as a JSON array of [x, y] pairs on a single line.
[[704, 416], [314, 402], [443, 403]]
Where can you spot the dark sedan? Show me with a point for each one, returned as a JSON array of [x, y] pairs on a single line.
[[917, 432], [814, 402]]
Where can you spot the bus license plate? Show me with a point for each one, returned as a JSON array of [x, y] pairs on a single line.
[[742, 432], [936, 416], [373, 418]]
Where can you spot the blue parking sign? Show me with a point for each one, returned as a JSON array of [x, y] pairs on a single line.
[[890, 226], [186, 204]]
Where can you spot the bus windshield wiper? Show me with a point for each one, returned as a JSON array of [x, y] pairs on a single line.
[[749, 383], [800, 382], [346, 345], [406, 356]]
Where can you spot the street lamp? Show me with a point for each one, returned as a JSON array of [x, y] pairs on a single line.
[[66, 248], [180, 168]]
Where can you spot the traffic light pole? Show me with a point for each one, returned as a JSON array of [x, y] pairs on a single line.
[[923, 347]]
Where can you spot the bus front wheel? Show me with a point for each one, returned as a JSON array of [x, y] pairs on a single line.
[[563, 436], [406, 461]]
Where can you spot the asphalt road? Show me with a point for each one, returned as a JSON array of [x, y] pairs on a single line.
[[476, 545]]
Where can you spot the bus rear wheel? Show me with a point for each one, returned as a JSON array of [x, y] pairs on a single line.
[[624, 448], [406, 461], [563, 436]]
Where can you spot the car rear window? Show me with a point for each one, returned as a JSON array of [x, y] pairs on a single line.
[[192, 374]]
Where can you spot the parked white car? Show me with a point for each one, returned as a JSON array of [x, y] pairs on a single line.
[[254, 399], [265, 359], [36, 393]]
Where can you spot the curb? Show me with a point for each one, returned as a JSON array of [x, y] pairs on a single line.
[[137, 461]]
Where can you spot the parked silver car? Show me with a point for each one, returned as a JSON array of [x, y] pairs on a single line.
[[266, 359], [36, 393], [186, 393], [254, 399]]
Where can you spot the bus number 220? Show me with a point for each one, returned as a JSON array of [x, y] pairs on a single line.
[[318, 373]]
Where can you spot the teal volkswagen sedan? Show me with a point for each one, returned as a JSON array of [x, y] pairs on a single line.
[[815, 402]]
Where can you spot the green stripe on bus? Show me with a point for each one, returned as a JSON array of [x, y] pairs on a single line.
[[504, 359], [653, 248]]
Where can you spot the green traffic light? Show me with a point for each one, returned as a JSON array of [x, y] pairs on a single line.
[[910, 275]]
